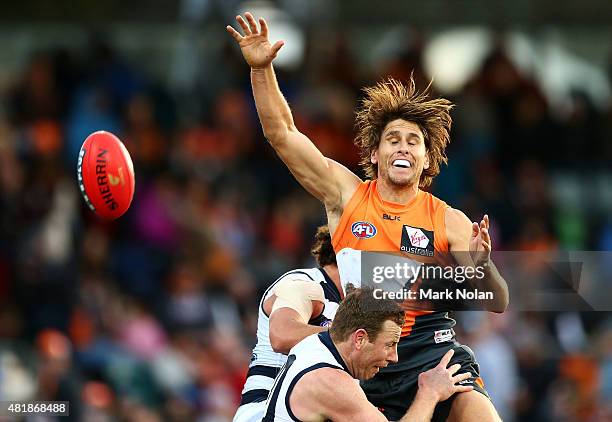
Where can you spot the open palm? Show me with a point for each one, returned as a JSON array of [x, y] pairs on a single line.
[[256, 48], [480, 242]]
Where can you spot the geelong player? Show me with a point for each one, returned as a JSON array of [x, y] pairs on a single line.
[[317, 382], [300, 303], [402, 137]]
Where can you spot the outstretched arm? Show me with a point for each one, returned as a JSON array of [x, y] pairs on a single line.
[[330, 182]]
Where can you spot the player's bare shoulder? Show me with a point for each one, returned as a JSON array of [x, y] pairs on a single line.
[[346, 180], [346, 183], [458, 227], [325, 393]]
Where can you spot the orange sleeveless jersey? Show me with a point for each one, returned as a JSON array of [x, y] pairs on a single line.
[[416, 229]]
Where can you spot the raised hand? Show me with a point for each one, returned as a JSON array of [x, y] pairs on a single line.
[[256, 49], [480, 242], [440, 381]]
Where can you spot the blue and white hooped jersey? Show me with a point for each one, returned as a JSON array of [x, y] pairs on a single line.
[[314, 352], [265, 362]]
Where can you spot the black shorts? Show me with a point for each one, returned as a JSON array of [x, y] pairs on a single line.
[[393, 389]]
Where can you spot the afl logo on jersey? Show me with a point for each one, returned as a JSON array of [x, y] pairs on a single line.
[[363, 230]]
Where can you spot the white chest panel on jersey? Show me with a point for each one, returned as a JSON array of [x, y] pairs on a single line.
[[349, 267], [358, 268]]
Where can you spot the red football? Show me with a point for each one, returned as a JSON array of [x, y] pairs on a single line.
[[106, 175]]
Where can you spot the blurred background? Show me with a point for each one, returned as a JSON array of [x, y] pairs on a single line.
[[152, 317]]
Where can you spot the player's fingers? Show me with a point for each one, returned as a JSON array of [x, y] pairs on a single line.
[[252, 24], [446, 358], [486, 246], [454, 368], [486, 219], [233, 33], [277, 46], [475, 229], [243, 25], [461, 377], [485, 235], [264, 27], [463, 388]]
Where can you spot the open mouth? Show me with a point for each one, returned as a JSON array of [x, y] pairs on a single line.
[[404, 164]]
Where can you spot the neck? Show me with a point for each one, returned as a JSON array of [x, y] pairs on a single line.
[[344, 349], [393, 193], [332, 272]]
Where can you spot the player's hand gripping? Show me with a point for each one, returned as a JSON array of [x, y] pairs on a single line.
[[439, 382], [256, 49], [480, 242]]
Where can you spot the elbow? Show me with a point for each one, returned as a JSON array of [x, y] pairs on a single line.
[[279, 343], [277, 135], [500, 306], [274, 137]]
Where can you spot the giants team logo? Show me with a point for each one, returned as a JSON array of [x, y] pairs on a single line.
[[363, 230], [417, 241]]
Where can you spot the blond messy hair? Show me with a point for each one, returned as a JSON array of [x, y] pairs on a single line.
[[390, 100]]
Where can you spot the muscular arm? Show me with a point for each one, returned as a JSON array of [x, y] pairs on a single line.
[[329, 393], [330, 182], [295, 300], [459, 233], [421, 409], [287, 329]]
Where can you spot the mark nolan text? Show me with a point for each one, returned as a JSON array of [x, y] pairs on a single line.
[[430, 294]]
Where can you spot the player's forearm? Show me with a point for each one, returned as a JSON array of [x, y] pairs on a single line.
[[421, 409], [291, 333], [495, 283], [272, 108]]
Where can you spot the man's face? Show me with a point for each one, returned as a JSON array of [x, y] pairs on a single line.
[[401, 155], [379, 353]]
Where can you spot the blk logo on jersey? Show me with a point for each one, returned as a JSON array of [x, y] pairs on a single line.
[[363, 230], [417, 241], [391, 217]]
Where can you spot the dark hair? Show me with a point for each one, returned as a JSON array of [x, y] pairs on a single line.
[[322, 248], [390, 100], [360, 309]]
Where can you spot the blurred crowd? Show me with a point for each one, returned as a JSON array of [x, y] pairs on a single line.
[[152, 317]]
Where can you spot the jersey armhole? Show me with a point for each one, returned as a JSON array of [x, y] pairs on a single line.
[[441, 240], [347, 212], [297, 378]]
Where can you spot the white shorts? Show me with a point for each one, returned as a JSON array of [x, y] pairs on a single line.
[[250, 412]]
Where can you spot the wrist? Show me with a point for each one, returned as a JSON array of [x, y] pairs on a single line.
[[427, 395], [261, 69], [486, 265]]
